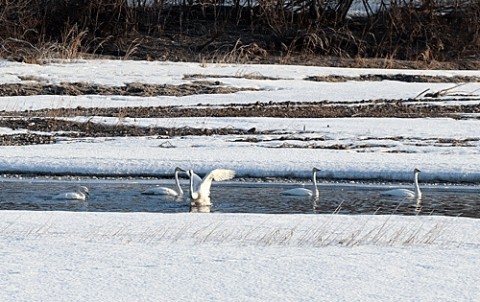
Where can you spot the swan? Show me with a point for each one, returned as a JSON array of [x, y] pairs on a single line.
[[303, 191], [167, 191], [417, 194], [81, 194], [200, 193]]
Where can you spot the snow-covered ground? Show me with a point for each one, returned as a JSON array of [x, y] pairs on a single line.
[[349, 148], [66, 256], [54, 256]]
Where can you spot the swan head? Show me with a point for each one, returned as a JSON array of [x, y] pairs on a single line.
[[85, 190], [314, 170], [178, 169], [416, 171]]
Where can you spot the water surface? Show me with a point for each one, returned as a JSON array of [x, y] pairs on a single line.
[[238, 197]]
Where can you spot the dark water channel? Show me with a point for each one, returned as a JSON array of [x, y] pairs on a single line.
[[238, 197]]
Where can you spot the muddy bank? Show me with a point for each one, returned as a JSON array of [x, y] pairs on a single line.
[[200, 84], [412, 108], [130, 89]]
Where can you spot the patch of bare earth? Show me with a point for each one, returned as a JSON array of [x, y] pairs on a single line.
[[130, 89]]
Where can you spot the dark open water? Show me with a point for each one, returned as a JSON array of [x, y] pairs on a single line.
[[239, 197]]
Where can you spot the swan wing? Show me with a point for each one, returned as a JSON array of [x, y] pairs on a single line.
[[217, 175], [160, 191], [399, 193], [221, 174], [298, 192], [197, 181], [71, 196]]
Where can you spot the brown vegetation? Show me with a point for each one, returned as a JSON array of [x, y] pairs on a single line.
[[425, 33], [55, 124]]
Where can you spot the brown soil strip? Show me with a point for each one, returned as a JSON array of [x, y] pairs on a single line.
[[62, 128], [130, 89], [89, 129], [25, 139], [397, 77], [379, 108], [338, 78], [248, 76]]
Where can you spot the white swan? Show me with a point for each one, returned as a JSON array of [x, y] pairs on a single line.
[[417, 194], [167, 191], [200, 193], [81, 194], [305, 192]]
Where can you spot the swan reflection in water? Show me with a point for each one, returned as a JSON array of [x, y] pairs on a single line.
[[200, 208], [418, 206]]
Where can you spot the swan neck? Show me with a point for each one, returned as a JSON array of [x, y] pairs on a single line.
[[191, 186], [314, 180], [418, 193], [177, 182]]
